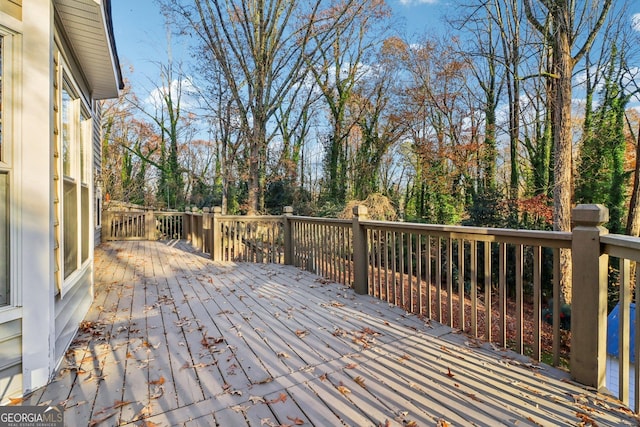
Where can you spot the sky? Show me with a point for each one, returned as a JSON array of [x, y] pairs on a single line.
[[141, 36]]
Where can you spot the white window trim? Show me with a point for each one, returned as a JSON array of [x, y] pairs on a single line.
[[11, 160], [66, 78]]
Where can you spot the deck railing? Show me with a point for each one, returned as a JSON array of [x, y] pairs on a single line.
[[494, 284]]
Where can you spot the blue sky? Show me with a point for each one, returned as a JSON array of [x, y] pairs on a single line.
[[141, 35], [142, 40]]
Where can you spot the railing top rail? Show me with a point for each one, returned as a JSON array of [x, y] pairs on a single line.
[[621, 246], [245, 218], [338, 221], [554, 239]]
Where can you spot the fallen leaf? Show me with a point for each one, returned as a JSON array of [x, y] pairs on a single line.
[[351, 366], [360, 381], [240, 408], [283, 355], [449, 374], [159, 381], [15, 400], [301, 333], [411, 424], [342, 389], [297, 421], [443, 423], [530, 419], [256, 399], [282, 398], [323, 377], [96, 421], [156, 392], [120, 403]]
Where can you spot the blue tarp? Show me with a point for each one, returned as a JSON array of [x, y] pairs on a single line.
[[613, 332]]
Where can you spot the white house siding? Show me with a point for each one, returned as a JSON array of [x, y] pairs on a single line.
[[613, 378], [70, 311], [10, 357]]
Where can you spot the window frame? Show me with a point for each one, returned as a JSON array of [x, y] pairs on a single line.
[[80, 176], [10, 79]]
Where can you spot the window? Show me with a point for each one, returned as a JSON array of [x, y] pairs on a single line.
[[5, 170], [75, 144], [4, 240]]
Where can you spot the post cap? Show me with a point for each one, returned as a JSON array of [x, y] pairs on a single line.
[[187, 209], [360, 211], [287, 210], [194, 209], [206, 210], [217, 209], [590, 215]]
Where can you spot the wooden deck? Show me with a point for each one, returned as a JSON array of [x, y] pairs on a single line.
[[176, 339]]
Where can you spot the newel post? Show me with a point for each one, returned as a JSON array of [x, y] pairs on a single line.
[[206, 229], [589, 296], [287, 213], [360, 252], [150, 225], [186, 224], [193, 227], [216, 235]]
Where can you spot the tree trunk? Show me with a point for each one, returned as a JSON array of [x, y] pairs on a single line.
[[563, 167]]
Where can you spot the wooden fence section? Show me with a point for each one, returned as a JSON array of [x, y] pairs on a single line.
[[141, 225], [487, 282]]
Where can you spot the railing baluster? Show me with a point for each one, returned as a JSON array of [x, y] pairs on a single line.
[[473, 279], [403, 300], [519, 299], [537, 298], [438, 242], [429, 281], [556, 307], [623, 345], [419, 285], [502, 293], [461, 284], [449, 281], [410, 271], [488, 321], [636, 348]]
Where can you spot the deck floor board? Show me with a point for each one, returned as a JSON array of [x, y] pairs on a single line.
[[180, 340]]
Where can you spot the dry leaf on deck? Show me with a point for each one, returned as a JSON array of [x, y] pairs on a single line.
[[15, 400], [301, 333], [443, 423], [342, 389], [159, 381], [282, 398], [351, 366], [449, 374], [297, 421], [97, 421], [360, 381], [256, 399]]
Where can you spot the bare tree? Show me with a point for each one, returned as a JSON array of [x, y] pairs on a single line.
[[263, 49], [570, 28]]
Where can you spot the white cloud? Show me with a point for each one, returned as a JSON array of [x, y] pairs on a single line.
[[635, 20], [414, 2]]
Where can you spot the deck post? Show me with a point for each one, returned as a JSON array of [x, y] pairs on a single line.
[[107, 219], [150, 225], [206, 230], [216, 237], [360, 253], [287, 213], [186, 223], [193, 227], [589, 296]]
